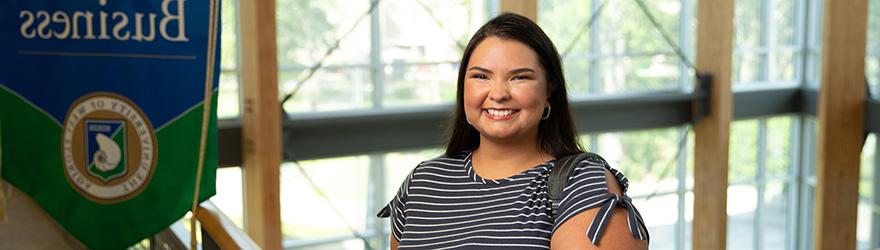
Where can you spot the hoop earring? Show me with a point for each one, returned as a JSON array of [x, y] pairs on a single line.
[[547, 114]]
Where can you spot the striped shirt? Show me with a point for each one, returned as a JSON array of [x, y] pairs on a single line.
[[444, 204]]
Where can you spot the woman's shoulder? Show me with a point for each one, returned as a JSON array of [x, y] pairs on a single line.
[[592, 166]]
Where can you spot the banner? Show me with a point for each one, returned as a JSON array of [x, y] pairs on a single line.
[[102, 111]]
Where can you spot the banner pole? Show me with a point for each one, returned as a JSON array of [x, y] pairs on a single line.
[[206, 114]]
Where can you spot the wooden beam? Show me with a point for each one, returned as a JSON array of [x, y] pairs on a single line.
[[714, 49], [261, 122], [527, 8], [841, 124]]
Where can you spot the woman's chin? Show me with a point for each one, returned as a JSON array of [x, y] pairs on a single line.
[[501, 135]]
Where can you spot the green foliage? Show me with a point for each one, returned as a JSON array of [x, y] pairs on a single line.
[[303, 28]]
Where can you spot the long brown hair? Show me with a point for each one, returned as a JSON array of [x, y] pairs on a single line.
[[556, 135]]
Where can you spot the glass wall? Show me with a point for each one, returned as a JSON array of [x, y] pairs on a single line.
[[338, 55], [619, 51], [868, 230]]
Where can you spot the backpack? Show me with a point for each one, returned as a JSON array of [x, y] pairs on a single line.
[[561, 172]]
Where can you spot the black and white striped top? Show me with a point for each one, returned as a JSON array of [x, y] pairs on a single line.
[[444, 204]]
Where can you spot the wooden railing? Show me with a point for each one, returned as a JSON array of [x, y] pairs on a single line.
[[218, 232]]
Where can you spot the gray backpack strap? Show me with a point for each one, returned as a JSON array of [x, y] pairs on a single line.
[[559, 177]]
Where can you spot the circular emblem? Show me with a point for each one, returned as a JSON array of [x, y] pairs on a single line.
[[109, 147]]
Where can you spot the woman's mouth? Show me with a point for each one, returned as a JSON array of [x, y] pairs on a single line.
[[500, 114]]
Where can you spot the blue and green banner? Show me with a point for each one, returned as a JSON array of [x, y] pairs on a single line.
[[102, 111]]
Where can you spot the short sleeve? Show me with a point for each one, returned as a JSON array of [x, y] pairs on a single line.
[[396, 209], [587, 189]]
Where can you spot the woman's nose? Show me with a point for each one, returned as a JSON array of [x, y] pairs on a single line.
[[499, 92]]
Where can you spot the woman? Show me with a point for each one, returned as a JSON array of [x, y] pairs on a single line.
[[490, 188]]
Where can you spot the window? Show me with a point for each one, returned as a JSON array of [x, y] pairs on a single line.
[[762, 193], [228, 94], [659, 166], [621, 51], [869, 185], [402, 54]]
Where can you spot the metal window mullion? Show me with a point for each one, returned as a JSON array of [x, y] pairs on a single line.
[[766, 25], [376, 197], [595, 63], [799, 37], [681, 223], [813, 39], [761, 184], [793, 170], [237, 67], [376, 68], [805, 199], [685, 18], [875, 215], [594, 50], [376, 175]]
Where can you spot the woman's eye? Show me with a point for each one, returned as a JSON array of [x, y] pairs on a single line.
[[521, 77], [479, 76]]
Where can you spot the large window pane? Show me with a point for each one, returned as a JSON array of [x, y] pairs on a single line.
[[306, 30], [746, 67], [562, 20], [747, 23], [625, 29], [775, 226], [228, 96], [869, 198], [428, 30], [661, 217], [864, 230], [742, 202], [229, 34], [422, 42], [783, 18], [229, 198], [647, 158], [419, 84], [782, 66], [779, 146], [765, 40], [340, 88], [306, 215], [743, 163], [621, 52], [228, 93], [872, 62], [639, 73]]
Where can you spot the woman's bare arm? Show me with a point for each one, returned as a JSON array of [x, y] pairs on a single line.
[[573, 233], [393, 243]]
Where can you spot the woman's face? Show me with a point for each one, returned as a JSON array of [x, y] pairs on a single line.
[[505, 90]]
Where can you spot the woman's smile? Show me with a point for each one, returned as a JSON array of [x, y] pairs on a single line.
[[500, 114]]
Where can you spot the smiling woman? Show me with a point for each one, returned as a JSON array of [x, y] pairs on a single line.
[[490, 189]]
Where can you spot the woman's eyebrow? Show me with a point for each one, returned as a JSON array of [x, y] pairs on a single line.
[[481, 69], [522, 70]]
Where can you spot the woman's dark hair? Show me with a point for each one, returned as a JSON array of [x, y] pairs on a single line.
[[556, 135]]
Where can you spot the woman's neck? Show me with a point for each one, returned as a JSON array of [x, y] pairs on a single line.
[[498, 160]]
